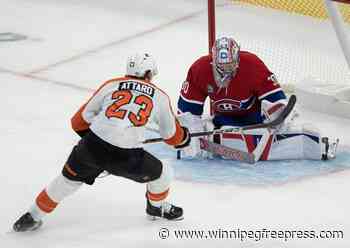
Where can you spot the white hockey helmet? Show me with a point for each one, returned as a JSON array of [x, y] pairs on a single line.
[[139, 64], [225, 54]]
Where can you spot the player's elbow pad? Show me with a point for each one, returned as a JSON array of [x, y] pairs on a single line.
[[186, 140]]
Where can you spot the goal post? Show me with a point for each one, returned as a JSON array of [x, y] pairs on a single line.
[[211, 24], [339, 27]]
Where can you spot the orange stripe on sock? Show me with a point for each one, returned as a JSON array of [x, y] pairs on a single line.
[[157, 196], [45, 203]]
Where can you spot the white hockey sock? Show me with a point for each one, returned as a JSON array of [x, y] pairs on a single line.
[[36, 212], [54, 193], [158, 190]]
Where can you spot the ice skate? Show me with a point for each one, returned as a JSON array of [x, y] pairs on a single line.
[[329, 149], [26, 223], [166, 211]]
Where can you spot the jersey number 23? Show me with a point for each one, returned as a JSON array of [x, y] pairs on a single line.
[[124, 97]]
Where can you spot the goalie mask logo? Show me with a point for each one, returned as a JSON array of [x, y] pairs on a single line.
[[227, 105]]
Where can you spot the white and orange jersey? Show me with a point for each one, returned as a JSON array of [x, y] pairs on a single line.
[[119, 110]]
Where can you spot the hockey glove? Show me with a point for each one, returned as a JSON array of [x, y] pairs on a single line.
[[186, 139]]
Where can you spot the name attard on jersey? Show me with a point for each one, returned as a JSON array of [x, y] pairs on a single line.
[[137, 86]]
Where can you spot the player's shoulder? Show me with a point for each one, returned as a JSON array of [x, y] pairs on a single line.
[[250, 60], [250, 57], [202, 62]]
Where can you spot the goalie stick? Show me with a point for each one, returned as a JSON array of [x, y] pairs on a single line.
[[236, 154], [279, 120], [226, 151]]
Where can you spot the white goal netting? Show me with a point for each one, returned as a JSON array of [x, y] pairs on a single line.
[[294, 38]]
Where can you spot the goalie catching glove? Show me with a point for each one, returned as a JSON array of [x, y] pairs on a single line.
[[185, 140], [271, 110]]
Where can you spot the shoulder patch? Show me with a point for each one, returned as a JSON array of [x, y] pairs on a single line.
[[185, 86], [210, 89], [273, 79]]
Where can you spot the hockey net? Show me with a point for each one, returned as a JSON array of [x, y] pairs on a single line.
[[294, 38], [313, 8]]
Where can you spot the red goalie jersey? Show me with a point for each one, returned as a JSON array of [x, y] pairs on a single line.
[[237, 104]]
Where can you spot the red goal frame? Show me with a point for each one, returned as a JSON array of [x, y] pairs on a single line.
[[211, 24]]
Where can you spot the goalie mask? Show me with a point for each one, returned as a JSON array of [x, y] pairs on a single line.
[[138, 65], [225, 54]]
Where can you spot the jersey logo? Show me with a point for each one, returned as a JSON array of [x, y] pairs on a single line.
[[227, 105]]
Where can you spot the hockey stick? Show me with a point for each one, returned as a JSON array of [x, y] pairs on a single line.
[[279, 120], [236, 154], [226, 151]]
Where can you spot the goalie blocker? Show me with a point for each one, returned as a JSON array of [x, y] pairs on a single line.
[[287, 141]]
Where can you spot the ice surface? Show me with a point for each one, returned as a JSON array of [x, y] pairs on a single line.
[[81, 43], [223, 172]]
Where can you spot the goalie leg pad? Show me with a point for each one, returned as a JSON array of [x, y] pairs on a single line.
[[299, 142]]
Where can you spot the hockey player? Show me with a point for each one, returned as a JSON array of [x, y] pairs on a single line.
[[242, 91], [112, 125]]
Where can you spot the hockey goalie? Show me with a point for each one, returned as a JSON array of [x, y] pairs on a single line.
[[242, 92]]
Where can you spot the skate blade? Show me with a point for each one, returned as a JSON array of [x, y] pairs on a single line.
[[155, 218]]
